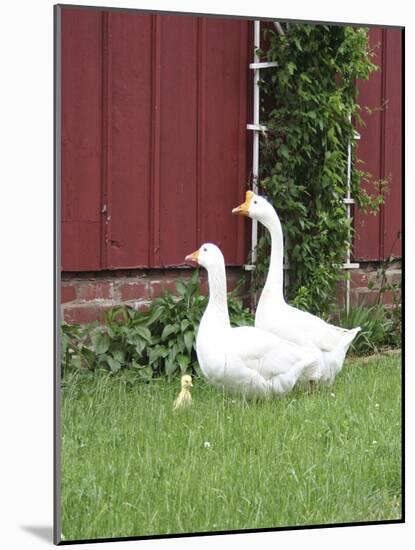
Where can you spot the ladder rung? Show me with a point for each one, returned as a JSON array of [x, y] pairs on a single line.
[[263, 64], [356, 135], [252, 267], [256, 127], [349, 265], [348, 201]]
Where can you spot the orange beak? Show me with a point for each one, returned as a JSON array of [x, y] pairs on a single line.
[[192, 258], [243, 208]]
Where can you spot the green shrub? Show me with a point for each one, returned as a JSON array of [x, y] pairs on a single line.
[[159, 341], [379, 328]]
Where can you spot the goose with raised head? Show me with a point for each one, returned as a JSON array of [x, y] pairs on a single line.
[[275, 315], [244, 359]]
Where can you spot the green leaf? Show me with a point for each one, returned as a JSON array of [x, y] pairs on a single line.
[[119, 355], [181, 288], [144, 332], [146, 373], [76, 361], [113, 330], [100, 342], [170, 366], [156, 313], [140, 346], [157, 352], [183, 361], [89, 357], [113, 364], [168, 330], [188, 341], [284, 151], [184, 324], [64, 343], [291, 67]]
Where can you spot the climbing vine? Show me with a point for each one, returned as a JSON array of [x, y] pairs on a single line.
[[309, 105]]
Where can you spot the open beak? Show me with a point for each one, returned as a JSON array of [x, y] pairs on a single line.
[[243, 208], [192, 258]]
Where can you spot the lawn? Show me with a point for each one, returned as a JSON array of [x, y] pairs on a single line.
[[132, 467]]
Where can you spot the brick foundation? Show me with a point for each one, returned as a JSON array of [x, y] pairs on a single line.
[[366, 282], [86, 296]]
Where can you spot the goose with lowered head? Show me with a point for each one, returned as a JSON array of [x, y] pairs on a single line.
[[244, 359], [275, 315]]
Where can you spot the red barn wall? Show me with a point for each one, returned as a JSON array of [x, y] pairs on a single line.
[[380, 147], [154, 144]]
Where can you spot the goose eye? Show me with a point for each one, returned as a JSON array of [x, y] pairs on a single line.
[[205, 249], [255, 202]]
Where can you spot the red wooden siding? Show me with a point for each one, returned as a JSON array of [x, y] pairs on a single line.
[[154, 145], [81, 139], [380, 147]]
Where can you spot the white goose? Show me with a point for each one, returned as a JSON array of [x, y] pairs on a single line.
[[243, 359], [275, 315]]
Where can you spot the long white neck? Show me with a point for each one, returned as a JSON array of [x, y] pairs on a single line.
[[274, 281], [218, 304]]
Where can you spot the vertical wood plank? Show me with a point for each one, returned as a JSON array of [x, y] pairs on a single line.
[[242, 172], [384, 75], [178, 138], [154, 252], [201, 118], [222, 155], [366, 244], [131, 139], [106, 197], [81, 143], [392, 227]]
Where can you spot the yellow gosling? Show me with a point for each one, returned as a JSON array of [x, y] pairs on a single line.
[[184, 399]]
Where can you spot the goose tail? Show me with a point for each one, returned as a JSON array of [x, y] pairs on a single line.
[[335, 360], [349, 337]]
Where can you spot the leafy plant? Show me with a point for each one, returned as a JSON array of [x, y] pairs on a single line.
[[75, 351], [394, 310], [376, 326], [156, 342], [309, 105]]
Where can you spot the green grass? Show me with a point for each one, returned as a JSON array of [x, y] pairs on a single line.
[[132, 467]]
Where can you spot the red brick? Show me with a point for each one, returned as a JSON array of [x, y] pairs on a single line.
[[83, 314], [94, 290], [387, 297], [358, 280], [134, 290], [367, 298], [394, 277], [341, 293], [68, 294], [159, 287], [204, 287]]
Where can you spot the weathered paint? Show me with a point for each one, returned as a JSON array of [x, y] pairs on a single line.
[[380, 147], [154, 146]]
